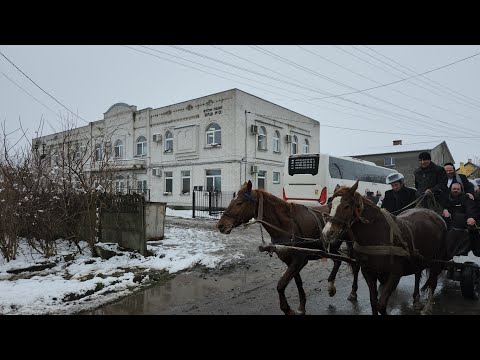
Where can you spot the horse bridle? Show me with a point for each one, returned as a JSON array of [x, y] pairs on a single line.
[[248, 195], [357, 215]]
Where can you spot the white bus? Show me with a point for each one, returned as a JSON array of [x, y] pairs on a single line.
[[310, 179]]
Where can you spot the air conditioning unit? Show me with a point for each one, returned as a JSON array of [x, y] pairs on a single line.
[[157, 171], [198, 188], [253, 169], [288, 138], [157, 137], [253, 129]]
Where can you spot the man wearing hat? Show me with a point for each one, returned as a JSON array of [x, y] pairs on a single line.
[[431, 179], [400, 197]]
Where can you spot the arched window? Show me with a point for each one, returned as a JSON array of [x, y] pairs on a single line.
[[262, 138], [141, 146], [168, 141], [276, 141], [294, 144], [214, 134], [119, 149], [98, 152], [306, 147]]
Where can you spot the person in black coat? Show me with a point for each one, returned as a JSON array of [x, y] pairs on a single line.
[[453, 178], [431, 178], [400, 197]]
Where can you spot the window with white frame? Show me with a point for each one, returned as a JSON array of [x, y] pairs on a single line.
[[214, 134], [142, 146], [306, 147], [168, 181], [119, 184], [276, 177], [185, 181], [142, 186], [214, 180], [262, 174], [276, 141], [294, 144], [98, 152], [119, 149], [389, 161], [262, 138], [168, 141]]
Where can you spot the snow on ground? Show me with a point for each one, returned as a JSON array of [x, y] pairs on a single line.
[[84, 282]]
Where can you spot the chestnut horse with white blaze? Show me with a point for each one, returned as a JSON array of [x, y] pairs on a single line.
[[389, 246]]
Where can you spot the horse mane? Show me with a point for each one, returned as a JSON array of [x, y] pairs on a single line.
[[281, 204]]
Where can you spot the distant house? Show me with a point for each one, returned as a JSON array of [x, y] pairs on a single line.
[[404, 158], [469, 169]]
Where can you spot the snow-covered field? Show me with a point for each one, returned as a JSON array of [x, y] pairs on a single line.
[[81, 282]]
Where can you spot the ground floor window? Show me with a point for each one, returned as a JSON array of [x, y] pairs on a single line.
[[261, 179], [276, 177], [186, 182], [169, 181], [214, 180], [142, 186]]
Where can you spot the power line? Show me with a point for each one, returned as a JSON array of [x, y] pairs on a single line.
[[411, 77], [447, 125], [370, 79], [435, 82], [41, 87], [389, 72]]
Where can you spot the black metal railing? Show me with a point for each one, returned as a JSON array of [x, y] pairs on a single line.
[[144, 192], [210, 204]]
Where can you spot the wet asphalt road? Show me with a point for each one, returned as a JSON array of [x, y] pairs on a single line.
[[249, 288]]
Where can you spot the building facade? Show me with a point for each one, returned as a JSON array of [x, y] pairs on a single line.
[[216, 142], [404, 158]]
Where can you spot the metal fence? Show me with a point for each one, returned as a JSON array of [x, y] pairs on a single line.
[[210, 204]]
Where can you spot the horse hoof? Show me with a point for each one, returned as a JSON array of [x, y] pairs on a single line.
[[352, 297], [332, 291], [418, 306], [299, 312], [426, 312]]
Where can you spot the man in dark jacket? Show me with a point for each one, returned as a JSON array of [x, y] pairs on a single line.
[[431, 179], [400, 197], [453, 177], [459, 213]]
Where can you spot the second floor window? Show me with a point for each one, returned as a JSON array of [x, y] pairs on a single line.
[[276, 177], [168, 141], [294, 144], [214, 134], [276, 141], [262, 138], [306, 147], [141, 146], [119, 149]]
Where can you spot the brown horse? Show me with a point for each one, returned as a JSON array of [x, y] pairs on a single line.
[[388, 245], [288, 224]]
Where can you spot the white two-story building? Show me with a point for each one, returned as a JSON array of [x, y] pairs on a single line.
[[216, 142]]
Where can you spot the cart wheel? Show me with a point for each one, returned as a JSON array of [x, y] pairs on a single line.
[[468, 281]]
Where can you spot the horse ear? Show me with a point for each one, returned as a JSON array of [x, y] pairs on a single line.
[[249, 186], [353, 188]]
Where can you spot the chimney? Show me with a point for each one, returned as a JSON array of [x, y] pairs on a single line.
[[462, 166], [469, 160], [397, 142]]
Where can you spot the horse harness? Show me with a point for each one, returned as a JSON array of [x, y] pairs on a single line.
[[391, 249]]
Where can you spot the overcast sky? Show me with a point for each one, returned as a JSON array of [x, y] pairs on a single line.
[[443, 104]]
